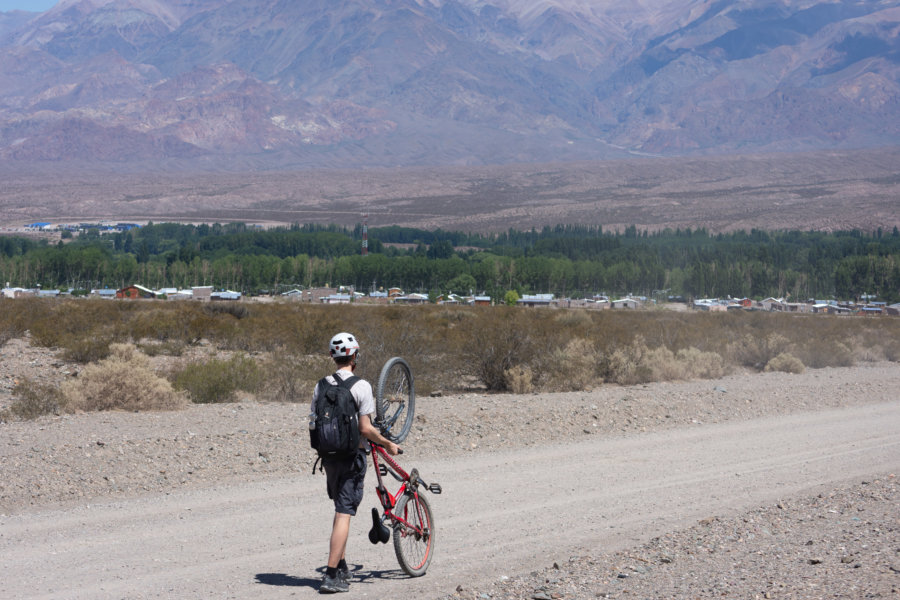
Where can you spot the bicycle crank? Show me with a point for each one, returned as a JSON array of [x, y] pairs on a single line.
[[379, 532]]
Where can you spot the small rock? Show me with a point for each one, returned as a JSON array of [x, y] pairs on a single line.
[[437, 394], [815, 561], [541, 596]]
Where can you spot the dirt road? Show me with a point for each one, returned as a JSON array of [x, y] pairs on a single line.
[[502, 513]]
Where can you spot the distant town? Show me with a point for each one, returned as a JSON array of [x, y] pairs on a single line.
[[347, 295]]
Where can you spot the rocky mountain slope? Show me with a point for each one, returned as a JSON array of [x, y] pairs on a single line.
[[384, 83]]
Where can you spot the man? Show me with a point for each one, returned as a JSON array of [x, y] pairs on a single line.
[[345, 476]]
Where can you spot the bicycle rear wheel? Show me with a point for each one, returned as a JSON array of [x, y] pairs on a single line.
[[395, 400], [414, 543]]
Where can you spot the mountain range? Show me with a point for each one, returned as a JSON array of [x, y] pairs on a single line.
[[268, 84]]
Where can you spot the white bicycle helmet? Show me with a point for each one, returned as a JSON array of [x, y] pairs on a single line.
[[343, 344]]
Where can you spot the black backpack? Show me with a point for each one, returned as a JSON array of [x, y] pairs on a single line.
[[336, 434]]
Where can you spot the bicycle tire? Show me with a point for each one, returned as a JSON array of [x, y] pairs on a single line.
[[414, 550], [395, 400]]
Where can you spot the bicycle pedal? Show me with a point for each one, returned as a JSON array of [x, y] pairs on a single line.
[[435, 488]]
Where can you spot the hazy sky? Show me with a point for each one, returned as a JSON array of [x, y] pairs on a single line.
[[32, 5]]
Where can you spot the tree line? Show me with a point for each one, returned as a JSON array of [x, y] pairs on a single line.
[[567, 260]]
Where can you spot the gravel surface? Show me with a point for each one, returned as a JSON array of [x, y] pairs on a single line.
[[842, 543], [836, 543]]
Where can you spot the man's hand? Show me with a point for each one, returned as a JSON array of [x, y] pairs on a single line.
[[391, 448]]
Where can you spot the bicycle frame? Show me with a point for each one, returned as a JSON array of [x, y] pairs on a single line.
[[408, 482]]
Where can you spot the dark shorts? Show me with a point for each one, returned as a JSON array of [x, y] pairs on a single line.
[[345, 480]]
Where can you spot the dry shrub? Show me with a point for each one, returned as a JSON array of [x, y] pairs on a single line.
[[663, 365], [572, 368], [82, 329], [122, 381], [498, 345], [575, 318], [638, 364], [892, 350], [785, 363], [172, 321], [291, 378], [235, 309], [819, 356], [167, 348], [33, 400], [65, 322], [628, 365], [756, 351], [697, 364], [519, 380], [218, 380], [86, 348], [454, 314]]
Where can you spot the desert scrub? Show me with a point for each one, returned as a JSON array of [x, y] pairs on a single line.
[[291, 378], [498, 346], [572, 368], [636, 363], [124, 381], [835, 354], [756, 352], [519, 380], [786, 363], [627, 365], [167, 348], [218, 380], [33, 400]]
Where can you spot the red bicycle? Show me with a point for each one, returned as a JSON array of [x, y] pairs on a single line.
[[407, 509]]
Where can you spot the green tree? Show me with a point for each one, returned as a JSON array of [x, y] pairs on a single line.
[[462, 284]]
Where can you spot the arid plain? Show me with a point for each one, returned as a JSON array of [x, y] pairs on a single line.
[[821, 191]]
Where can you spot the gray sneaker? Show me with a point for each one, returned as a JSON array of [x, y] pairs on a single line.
[[332, 585], [344, 575]]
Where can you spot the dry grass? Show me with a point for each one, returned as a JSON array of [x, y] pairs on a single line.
[[500, 348]]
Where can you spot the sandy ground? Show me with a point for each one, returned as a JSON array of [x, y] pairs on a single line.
[[754, 485]]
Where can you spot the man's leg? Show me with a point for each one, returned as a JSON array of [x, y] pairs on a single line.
[[340, 531]]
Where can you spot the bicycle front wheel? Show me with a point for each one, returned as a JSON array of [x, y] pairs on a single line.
[[395, 400], [414, 541]]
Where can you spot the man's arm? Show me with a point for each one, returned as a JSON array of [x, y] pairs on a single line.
[[371, 433]]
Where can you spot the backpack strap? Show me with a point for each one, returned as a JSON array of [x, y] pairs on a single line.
[[347, 383]]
